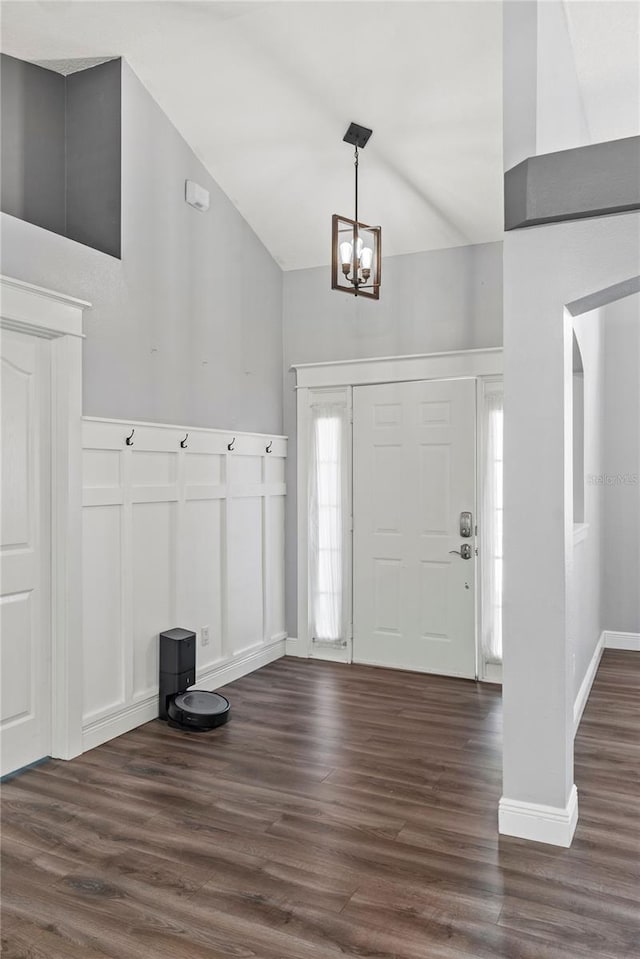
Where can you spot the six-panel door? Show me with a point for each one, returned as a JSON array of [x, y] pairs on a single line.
[[414, 473]]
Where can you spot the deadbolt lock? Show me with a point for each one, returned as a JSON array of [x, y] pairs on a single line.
[[465, 524]]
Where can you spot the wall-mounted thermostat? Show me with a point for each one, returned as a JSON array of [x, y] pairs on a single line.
[[196, 195]]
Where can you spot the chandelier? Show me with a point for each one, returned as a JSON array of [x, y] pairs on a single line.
[[356, 260]]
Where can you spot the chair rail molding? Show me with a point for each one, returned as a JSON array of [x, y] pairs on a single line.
[[57, 317]]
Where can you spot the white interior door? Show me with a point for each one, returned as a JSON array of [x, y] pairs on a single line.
[[414, 473], [25, 547]]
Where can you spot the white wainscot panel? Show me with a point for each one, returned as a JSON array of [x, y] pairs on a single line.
[[203, 469], [101, 469], [153, 585], [274, 469], [173, 536], [103, 640], [245, 469], [201, 590], [245, 616], [16, 656], [275, 566], [153, 469]]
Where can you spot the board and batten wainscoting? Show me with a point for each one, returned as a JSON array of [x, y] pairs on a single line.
[[185, 535]]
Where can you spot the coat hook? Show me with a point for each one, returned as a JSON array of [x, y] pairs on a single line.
[[129, 439], [183, 443], [268, 448], [230, 445]]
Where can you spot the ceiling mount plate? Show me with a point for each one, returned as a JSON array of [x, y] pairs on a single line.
[[357, 135]]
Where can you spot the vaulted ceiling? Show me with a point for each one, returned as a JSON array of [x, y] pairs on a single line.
[[264, 91]]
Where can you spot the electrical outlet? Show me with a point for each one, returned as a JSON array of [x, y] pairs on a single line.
[[204, 635]]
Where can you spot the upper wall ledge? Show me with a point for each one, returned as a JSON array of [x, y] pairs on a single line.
[[600, 179]]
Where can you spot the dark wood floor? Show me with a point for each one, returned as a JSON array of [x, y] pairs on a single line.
[[343, 812]]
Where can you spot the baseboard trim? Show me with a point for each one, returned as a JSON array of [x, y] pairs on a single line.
[[109, 727], [126, 719], [615, 640], [586, 684], [220, 675], [553, 825]]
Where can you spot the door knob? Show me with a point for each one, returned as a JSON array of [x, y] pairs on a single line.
[[464, 551]]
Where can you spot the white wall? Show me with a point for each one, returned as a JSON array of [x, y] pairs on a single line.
[[560, 116], [186, 328], [429, 302], [542, 103], [620, 490], [176, 537]]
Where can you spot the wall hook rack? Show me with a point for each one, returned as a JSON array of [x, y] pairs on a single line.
[[183, 443], [230, 445], [268, 448], [129, 439]]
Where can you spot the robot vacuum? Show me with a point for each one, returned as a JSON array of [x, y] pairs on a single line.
[[195, 710], [198, 710]]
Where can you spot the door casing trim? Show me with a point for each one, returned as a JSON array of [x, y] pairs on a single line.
[[312, 378]]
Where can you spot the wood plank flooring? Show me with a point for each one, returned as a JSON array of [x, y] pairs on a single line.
[[343, 812]]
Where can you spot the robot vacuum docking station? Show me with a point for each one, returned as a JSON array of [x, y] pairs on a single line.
[[194, 710]]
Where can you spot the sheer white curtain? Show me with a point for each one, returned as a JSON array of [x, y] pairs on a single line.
[[491, 531], [326, 531]]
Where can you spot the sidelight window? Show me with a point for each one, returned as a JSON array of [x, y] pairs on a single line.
[[326, 523], [491, 528]]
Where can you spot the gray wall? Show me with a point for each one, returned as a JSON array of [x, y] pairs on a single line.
[[186, 328], [620, 492], [33, 143], [61, 150], [429, 302], [542, 103], [93, 162]]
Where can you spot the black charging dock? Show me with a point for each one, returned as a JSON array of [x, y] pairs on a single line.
[[195, 710]]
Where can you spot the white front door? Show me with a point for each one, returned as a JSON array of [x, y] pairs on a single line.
[[25, 547], [414, 474]]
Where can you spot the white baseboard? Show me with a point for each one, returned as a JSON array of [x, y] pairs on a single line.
[[294, 648], [129, 717], [221, 674], [586, 684], [550, 824], [614, 640]]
